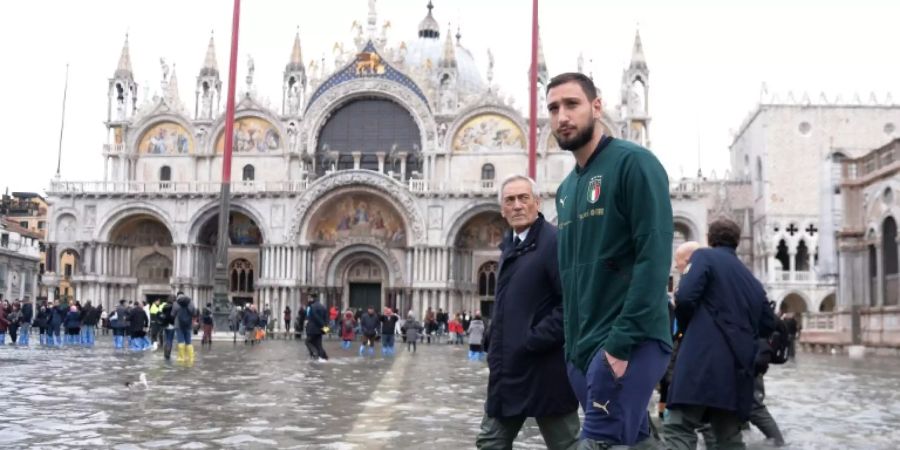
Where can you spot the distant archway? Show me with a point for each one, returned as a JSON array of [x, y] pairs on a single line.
[[828, 303], [794, 303]]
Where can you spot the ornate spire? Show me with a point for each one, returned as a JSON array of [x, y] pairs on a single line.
[[123, 70], [210, 66], [458, 35], [543, 74], [428, 27], [372, 19], [638, 61], [296, 62], [172, 87], [448, 58], [296, 55]]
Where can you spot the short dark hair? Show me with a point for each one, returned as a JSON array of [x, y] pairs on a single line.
[[587, 84], [724, 233]]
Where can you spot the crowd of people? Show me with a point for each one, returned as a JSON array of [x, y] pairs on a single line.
[[134, 325]]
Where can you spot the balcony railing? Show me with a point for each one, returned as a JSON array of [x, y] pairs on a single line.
[[804, 276], [871, 162], [685, 186], [114, 148], [173, 187], [819, 321]]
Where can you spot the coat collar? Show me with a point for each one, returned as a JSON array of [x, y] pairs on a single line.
[[728, 250], [508, 248]]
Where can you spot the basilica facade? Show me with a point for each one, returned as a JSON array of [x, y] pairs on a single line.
[[375, 184]]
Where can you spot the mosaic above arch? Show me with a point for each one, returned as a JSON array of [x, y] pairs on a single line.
[[252, 135], [485, 230], [242, 230], [354, 215], [165, 138], [490, 131]]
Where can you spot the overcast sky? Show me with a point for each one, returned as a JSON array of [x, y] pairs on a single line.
[[707, 59]]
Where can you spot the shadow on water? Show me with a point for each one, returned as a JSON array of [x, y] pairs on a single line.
[[272, 395]]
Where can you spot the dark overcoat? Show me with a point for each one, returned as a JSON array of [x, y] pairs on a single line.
[[725, 311], [525, 337]]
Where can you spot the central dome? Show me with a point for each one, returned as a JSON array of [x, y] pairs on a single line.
[[423, 49]]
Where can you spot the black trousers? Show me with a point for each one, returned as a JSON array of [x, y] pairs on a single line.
[[314, 344]]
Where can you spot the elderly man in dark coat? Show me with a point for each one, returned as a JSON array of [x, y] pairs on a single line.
[[725, 311], [525, 339]]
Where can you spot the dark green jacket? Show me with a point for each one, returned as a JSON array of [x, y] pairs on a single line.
[[615, 252]]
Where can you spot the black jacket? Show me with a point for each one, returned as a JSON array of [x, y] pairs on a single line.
[[27, 313], [726, 312], [90, 316], [525, 340], [316, 319], [389, 324], [368, 324], [137, 320]]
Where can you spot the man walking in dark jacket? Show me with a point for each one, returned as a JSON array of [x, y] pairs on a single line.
[[725, 311], [525, 341], [316, 322]]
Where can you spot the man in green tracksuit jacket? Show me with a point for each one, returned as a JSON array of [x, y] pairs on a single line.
[[615, 253]]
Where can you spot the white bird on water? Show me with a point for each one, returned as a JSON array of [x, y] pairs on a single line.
[[142, 380]]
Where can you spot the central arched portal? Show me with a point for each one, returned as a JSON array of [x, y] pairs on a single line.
[[362, 238], [243, 257]]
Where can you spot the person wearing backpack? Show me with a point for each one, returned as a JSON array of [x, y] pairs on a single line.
[[206, 321], [184, 313]]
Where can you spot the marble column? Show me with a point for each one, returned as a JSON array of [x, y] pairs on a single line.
[[380, 156]]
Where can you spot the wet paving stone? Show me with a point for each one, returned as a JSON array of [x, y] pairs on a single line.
[[272, 396]]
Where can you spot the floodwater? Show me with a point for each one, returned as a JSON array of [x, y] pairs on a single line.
[[271, 395]]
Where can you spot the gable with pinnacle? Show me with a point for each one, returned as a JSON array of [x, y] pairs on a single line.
[[367, 65]]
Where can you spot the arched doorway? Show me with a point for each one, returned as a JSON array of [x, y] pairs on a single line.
[[245, 238], [477, 259], [487, 287], [70, 266], [828, 303], [794, 304], [242, 282], [873, 275], [365, 281], [889, 261], [140, 247]]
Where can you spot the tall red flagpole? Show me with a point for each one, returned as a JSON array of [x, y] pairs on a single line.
[[532, 116], [220, 290]]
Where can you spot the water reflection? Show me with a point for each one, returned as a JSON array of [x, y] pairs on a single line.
[[272, 396]]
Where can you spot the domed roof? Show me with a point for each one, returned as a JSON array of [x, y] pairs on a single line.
[[422, 50], [428, 27]]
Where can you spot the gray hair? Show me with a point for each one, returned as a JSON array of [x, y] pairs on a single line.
[[516, 177]]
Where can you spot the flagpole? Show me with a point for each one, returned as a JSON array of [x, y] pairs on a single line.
[[62, 124], [220, 291], [532, 116]]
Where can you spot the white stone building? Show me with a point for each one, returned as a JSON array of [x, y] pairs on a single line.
[[788, 152], [373, 184], [20, 259]]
